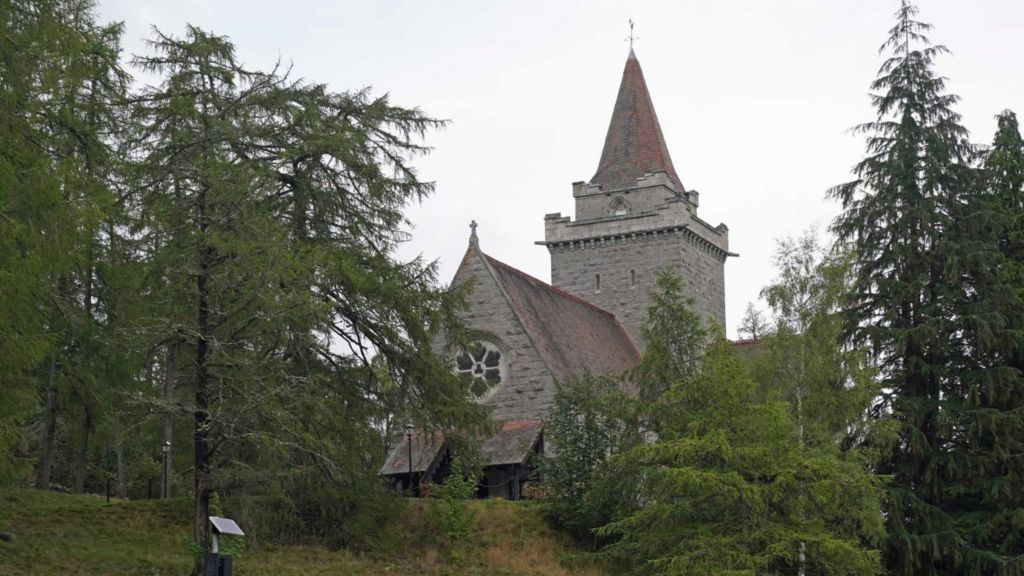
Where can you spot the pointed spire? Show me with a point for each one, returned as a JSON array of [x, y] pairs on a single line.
[[634, 145]]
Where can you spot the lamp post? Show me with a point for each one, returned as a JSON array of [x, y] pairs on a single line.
[[165, 483], [408, 442]]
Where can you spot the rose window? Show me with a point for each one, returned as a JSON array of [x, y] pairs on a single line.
[[481, 362]]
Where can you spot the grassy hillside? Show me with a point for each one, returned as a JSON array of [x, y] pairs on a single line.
[[79, 535]]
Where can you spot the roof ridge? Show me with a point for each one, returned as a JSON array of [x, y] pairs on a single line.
[[489, 265], [516, 424], [549, 316], [549, 287]]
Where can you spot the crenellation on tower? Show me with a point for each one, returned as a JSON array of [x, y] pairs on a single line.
[[627, 251], [647, 193]]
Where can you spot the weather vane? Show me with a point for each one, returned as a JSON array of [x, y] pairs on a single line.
[[631, 37]]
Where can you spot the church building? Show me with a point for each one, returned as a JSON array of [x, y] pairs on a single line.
[[633, 218]]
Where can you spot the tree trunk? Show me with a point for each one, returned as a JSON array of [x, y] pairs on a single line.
[[202, 381], [82, 464], [201, 437], [122, 486], [170, 380], [49, 431]]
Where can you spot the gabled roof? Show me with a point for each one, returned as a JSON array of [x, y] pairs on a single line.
[[426, 446], [572, 336], [513, 442], [634, 145]]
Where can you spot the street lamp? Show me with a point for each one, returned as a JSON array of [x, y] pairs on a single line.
[[165, 484], [408, 442]]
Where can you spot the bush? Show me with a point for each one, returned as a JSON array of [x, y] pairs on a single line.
[[592, 419], [450, 508]]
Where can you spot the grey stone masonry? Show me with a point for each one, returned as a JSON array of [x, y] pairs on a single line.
[[610, 255], [527, 389]]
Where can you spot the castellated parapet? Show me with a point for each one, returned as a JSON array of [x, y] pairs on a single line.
[[611, 254]]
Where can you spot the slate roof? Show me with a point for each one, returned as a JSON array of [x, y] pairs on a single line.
[[572, 336], [749, 349], [634, 145], [513, 443], [426, 446]]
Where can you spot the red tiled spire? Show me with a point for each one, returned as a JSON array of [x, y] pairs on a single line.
[[634, 145]]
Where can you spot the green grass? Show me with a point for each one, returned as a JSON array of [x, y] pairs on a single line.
[[68, 535]]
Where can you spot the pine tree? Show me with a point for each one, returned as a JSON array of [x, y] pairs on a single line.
[[896, 216]]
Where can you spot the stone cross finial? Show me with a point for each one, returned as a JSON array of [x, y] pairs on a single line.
[[472, 233]]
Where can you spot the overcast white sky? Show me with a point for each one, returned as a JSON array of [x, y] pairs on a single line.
[[755, 98]]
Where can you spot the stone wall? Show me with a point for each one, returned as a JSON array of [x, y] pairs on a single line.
[[649, 193], [627, 267], [627, 250], [527, 390]]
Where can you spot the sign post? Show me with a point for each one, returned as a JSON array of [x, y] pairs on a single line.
[[213, 563]]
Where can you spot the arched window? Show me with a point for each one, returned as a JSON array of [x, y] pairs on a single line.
[[619, 207]]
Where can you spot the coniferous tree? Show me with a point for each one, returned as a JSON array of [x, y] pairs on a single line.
[[987, 440], [592, 419], [896, 219], [727, 487], [271, 209], [675, 338], [64, 102], [827, 386], [30, 215], [754, 325]]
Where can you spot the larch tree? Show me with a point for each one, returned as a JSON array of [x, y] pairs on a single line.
[[675, 337], [30, 215], [65, 101], [727, 489], [896, 218], [272, 208]]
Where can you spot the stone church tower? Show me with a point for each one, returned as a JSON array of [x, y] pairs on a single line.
[[633, 218]]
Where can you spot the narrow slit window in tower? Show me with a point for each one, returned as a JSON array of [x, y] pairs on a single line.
[[597, 282], [632, 278]]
